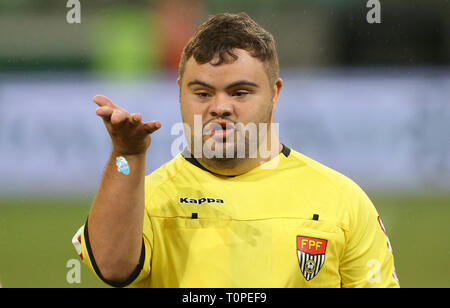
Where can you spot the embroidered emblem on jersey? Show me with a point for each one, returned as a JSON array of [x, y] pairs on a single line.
[[311, 255], [394, 274], [76, 241]]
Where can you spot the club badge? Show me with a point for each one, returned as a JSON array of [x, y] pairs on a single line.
[[311, 255]]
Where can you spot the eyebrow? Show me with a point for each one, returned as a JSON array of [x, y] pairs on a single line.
[[231, 85]]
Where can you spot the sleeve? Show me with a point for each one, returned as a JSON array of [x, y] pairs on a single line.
[[367, 261], [139, 277]]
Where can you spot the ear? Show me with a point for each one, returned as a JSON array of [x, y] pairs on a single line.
[[277, 86], [179, 82]]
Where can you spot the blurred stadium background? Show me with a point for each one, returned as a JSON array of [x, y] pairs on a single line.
[[369, 100]]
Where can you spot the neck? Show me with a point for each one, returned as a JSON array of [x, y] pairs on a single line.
[[238, 166]]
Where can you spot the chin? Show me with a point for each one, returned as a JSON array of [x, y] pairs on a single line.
[[223, 151]]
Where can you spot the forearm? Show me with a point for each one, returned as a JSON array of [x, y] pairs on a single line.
[[116, 218]]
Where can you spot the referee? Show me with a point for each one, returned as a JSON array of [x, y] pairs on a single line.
[[236, 208]]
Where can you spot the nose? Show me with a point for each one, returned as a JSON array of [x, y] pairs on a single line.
[[220, 107]]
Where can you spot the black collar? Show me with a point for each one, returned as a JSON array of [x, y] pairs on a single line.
[[285, 150], [188, 156]]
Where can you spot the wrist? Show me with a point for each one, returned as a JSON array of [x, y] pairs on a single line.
[[128, 155]]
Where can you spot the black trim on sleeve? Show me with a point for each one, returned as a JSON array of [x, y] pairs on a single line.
[[115, 284]]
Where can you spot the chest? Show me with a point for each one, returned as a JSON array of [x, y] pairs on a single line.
[[242, 236]]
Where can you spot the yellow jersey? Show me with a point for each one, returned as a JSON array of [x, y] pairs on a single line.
[[290, 222]]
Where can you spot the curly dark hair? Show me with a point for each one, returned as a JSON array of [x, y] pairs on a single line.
[[221, 33]]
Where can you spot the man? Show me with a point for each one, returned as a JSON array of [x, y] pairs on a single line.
[[236, 208]]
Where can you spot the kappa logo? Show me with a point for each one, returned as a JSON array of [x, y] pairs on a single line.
[[311, 255], [187, 200]]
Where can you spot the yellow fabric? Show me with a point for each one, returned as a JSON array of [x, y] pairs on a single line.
[[250, 240]]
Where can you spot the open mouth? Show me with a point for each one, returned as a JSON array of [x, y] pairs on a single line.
[[221, 130]]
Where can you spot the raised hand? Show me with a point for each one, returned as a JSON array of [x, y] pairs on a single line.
[[129, 135]]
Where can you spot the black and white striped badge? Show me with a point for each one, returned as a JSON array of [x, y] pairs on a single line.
[[311, 255]]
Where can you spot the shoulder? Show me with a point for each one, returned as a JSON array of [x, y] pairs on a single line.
[[320, 172], [350, 197], [164, 174]]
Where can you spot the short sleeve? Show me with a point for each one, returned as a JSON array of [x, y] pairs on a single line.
[[367, 261], [139, 277]]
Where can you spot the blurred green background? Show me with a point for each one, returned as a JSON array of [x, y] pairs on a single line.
[[125, 41]]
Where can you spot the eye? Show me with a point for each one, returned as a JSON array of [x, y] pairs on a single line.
[[202, 94], [241, 93]]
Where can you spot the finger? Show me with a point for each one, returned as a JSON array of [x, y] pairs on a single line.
[[105, 112], [103, 101], [152, 126], [118, 117], [135, 118]]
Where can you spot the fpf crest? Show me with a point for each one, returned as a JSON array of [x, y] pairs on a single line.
[[311, 255]]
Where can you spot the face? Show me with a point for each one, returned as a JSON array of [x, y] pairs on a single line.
[[228, 101]]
